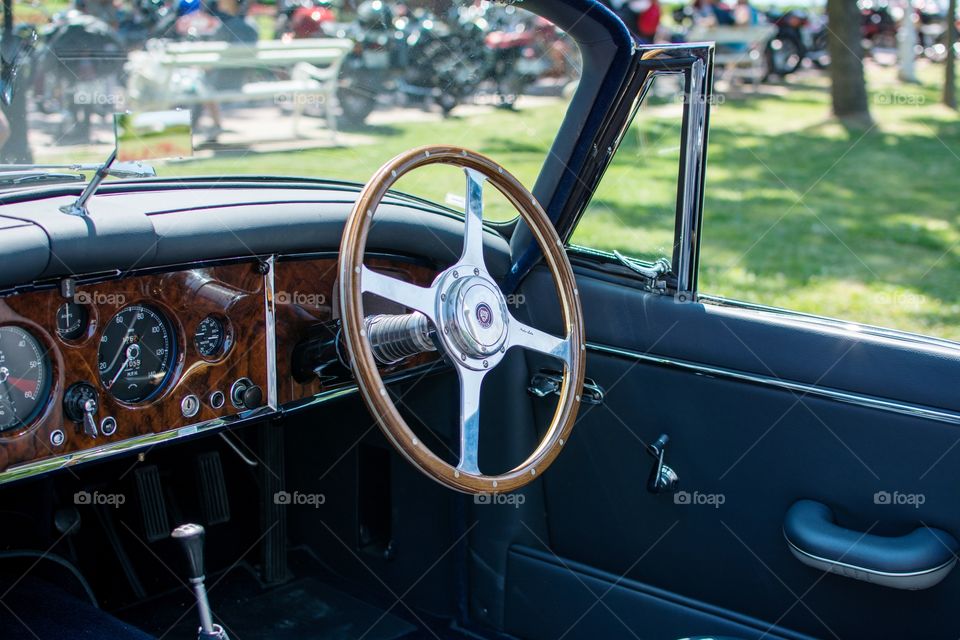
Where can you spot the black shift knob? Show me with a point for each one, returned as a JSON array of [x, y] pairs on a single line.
[[190, 537]]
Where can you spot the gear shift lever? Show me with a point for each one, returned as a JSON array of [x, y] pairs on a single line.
[[190, 537]]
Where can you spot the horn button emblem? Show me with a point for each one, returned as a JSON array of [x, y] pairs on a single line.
[[484, 315], [475, 317]]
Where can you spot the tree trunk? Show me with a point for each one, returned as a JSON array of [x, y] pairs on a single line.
[[950, 79], [906, 47], [849, 89]]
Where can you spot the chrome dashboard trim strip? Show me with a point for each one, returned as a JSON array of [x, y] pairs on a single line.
[[152, 439], [870, 402], [65, 460], [270, 316]]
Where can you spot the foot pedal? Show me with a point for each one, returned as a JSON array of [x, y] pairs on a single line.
[[273, 512], [156, 525], [212, 489]]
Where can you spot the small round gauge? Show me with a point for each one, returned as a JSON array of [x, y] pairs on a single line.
[[137, 353], [71, 321], [25, 376], [210, 336]]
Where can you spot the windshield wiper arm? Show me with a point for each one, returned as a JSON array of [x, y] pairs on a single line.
[[101, 171], [120, 170], [18, 178]]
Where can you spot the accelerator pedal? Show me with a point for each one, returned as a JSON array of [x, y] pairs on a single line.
[[153, 507], [212, 489]]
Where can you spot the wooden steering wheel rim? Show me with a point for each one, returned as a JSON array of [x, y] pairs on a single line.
[[362, 359]]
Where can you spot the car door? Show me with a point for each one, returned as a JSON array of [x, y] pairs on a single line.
[[819, 484]]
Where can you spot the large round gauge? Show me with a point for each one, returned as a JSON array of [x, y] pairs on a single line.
[[209, 336], [25, 375], [137, 353]]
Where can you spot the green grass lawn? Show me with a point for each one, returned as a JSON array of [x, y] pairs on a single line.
[[800, 212]]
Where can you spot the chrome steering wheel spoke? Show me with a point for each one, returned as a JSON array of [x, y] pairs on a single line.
[[527, 337], [422, 299], [470, 384], [473, 221]]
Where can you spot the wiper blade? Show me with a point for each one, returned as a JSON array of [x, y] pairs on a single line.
[[20, 178], [118, 170]]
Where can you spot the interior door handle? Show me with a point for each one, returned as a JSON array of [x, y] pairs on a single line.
[[548, 381], [917, 560]]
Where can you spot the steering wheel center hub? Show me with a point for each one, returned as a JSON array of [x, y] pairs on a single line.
[[474, 316]]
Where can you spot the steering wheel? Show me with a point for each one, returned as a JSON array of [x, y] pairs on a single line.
[[470, 319]]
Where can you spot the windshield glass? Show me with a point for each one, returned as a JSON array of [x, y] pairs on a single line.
[[299, 87]]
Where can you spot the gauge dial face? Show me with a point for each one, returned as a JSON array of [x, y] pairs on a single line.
[[209, 336], [137, 353], [25, 376], [71, 321]]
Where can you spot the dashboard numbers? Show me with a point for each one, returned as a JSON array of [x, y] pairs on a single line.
[[137, 353], [25, 376], [210, 337]]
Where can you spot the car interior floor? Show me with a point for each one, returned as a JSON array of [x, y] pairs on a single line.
[[300, 520]]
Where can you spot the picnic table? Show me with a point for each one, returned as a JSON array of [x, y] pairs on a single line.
[[737, 47], [172, 74]]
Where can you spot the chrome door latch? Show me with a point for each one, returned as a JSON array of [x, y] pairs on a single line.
[[548, 382], [662, 478]]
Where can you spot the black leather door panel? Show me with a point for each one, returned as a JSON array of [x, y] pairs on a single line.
[[747, 448]]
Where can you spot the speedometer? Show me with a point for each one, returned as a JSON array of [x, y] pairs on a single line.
[[24, 377], [137, 353]]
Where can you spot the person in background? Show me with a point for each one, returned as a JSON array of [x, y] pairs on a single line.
[[711, 13], [648, 20], [744, 14], [235, 30], [624, 11]]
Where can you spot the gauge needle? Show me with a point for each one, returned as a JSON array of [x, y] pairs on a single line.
[[21, 383], [123, 343], [120, 371]]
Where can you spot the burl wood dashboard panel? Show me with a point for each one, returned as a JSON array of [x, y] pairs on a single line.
[[306, 294], [267, 309], [234, 293]]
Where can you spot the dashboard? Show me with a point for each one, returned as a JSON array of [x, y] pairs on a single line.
[[91, 368]]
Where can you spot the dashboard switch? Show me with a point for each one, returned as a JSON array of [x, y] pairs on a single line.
[[108, 426], [246, 395], [80, 404]]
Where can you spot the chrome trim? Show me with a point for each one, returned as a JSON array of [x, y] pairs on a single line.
[[698, 94], [910, 580], [189, 406], [108, 426], [847, 326], [236, 391], [870, 402], [269, 308], [102, 452]]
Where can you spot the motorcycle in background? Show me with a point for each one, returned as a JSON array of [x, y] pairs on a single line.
[[78, 69], [878, 25], [304, 19], [411, 56], [800, 36]]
